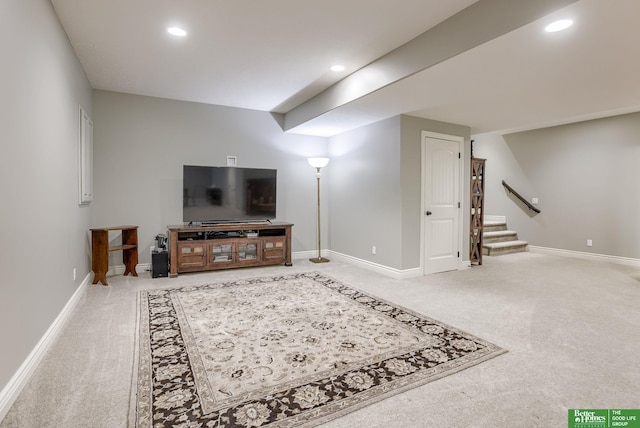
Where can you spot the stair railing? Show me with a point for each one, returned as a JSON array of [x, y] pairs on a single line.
[[517, 195]]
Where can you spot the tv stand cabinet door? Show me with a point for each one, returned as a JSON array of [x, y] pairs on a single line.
[[274, 249], [192, 255], [222, 253], [248, 252]]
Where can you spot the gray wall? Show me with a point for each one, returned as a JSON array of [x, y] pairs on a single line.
[[375, 186], [365, 203], [141, 144], [44, 230], [585, 176]]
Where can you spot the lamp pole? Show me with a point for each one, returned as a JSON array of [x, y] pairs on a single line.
[[318, 163]]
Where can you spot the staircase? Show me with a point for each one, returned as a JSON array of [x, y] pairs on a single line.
[[498, 240]]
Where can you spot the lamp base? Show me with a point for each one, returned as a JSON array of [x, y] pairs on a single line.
[[319, 260]]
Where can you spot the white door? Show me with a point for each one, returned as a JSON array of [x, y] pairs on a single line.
[[441, 202]]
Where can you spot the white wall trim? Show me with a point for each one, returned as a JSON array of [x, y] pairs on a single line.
[[366, 264], [12, 390], [464, 264], [119, 269], [627, 261], [299, 255], [385, 270]]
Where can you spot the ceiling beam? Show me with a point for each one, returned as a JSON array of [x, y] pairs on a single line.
[[479, 23]]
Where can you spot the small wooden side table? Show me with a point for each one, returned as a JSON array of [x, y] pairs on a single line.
[[100, 251]]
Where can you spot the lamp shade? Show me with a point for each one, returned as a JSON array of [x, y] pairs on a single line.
[[318, 162]]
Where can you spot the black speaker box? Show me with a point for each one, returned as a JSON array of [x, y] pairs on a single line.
[[159, 264]]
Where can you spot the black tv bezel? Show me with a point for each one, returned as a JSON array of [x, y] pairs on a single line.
[[240, 220]]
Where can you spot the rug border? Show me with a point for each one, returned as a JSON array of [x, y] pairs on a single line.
[[493, 351], [417, 384], [133, 394], [411, 311]]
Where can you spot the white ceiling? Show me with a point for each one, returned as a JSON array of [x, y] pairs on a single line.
[[273, 55]]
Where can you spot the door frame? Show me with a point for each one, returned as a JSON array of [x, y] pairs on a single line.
[[423, 177]]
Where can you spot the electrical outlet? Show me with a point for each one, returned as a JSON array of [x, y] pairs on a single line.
[[534, 200], [589, 243], [75, 273], [373, 250]]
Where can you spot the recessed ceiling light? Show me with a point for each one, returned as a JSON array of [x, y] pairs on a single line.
[[337, 67], [559, 25], [177, 31]]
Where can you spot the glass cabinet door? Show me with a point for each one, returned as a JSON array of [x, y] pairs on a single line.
[[221, 252], [248, 251]]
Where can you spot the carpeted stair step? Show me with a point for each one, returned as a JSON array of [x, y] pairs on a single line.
[[499, 236], [493, 226], [500, 248], [497, 239]]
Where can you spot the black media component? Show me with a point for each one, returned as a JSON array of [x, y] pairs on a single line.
[[159, 264], [161, 242]]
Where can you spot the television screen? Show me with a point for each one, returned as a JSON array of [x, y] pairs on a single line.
[[227, 194]]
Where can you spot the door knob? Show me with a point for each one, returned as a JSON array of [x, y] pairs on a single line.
[[428, 213]]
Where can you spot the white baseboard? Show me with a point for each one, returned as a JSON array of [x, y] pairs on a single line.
[[585, 256], [464, 264], [300, 255], [12, 390], [119, 269], [385, 270]]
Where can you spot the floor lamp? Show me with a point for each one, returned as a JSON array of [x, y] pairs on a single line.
[[318, 163]]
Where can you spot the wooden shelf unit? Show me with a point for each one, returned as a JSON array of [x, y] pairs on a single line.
[[477, 210], [100, 251], [225, 246]]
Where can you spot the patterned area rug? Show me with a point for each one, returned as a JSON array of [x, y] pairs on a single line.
[[283, 351]]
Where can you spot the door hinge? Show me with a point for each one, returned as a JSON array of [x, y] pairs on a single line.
[[458, 253], [459, 156], [458, 204]]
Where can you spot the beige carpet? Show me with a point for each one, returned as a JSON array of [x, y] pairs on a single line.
[[572, 328], [286, 350]]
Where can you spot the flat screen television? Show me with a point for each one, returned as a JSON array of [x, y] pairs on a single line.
[[214, 194]]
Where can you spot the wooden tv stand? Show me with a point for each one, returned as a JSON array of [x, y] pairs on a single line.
[[228, 245]]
